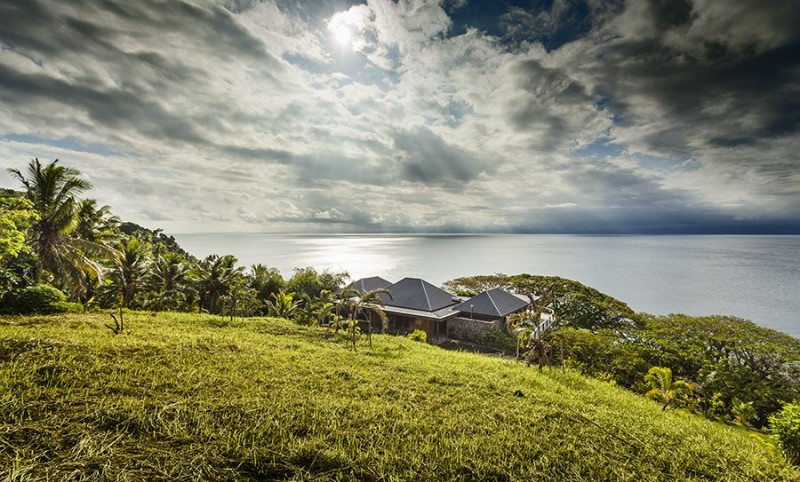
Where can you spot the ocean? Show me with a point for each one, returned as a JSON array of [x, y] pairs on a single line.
[[752, 277]]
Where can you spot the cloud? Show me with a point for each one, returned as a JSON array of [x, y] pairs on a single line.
[[426, 158], [431, 115]]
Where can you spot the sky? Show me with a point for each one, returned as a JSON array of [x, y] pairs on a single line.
[[660, 116]]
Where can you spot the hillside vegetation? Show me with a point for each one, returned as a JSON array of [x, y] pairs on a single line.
[[61, 252], [193, 397]]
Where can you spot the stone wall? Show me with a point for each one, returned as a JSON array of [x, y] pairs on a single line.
[[469, 329]]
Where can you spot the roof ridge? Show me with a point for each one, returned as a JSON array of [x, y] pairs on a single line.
[[489, 295], [427, 298]]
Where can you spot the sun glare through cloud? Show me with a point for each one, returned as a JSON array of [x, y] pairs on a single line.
[[343, 35], [344, 26]]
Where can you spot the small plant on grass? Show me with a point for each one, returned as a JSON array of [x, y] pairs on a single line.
[[664, 389], [743, 412], [282, 304], [418, 335], [119, 324], [786, 426], [714, 407]]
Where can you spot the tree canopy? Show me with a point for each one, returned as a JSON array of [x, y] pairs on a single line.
[[721, 366], [50, 234]]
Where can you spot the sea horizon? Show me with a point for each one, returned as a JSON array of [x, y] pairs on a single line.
[[750, 276]]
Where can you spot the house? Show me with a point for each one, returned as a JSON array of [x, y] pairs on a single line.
[[484, 313], [491, 305], [369, 284], [416, 304]]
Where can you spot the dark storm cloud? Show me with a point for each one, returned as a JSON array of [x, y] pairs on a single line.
[[731, 86], [425, 157], [142, 79], [549, 90], [762, 88], [123, 111], [29, 25], [667, 14], [114, 109], [648, 220]]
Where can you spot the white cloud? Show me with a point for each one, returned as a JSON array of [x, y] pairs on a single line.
[[252, 117]]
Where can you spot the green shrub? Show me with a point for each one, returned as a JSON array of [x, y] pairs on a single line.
[[418, 335], [499, 339], [786, 425], [37, 299]]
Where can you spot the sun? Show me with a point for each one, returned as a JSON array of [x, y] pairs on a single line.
[[343, 34], [346, 26]]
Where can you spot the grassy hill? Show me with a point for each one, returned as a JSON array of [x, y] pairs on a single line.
[[188, 397]]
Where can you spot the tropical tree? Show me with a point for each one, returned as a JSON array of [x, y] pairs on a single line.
[[169, 283], [16, 217], [90, 285], [130, 259], [518, 325], [327, 304], [529, 329], [369, 304], [215, 277], [664, 389], [53, 191], [724, 354], [95, 224], [785, 424], [577, 305], [241, 299], [282, 304], [265, 281], [308, 282]]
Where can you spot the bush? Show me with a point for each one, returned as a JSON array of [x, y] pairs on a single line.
[[418, 335], [36, 299], [499, 339], [786, 425]]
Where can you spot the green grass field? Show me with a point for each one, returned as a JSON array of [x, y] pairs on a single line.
[[188, 397]]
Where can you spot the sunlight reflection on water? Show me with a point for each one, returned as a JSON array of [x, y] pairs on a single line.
[[359, 256], [754, 277]]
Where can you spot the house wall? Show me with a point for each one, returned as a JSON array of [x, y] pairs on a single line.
[[398, 325], [428, 326], [471, 329]]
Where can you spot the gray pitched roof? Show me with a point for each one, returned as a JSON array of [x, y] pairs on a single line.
[[364, 285], [495, 302], [417, 294]]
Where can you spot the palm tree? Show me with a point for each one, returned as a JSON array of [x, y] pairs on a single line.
[[664, 389], [529, 329], [282, 304], [368, 303], [53, 190], [519, 327], [265, 281], [169, 282], [95, 224], [215, 278], [131, 259], [326, 303]]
